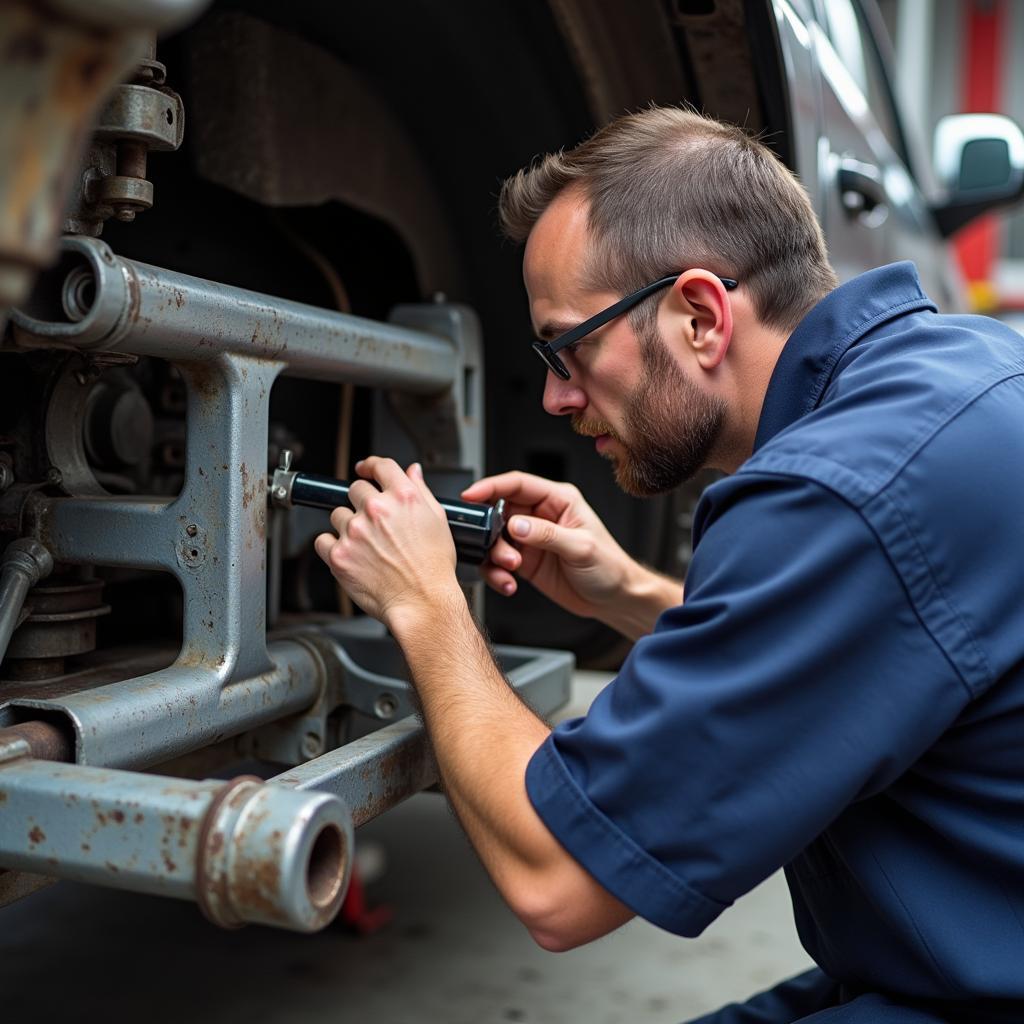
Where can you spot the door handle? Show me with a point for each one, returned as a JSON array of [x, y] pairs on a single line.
[[862, 192]]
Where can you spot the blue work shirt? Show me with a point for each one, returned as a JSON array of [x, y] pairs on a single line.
[[842, 692]]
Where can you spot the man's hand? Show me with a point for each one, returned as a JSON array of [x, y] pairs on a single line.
[[565, 551], [394, 554], [396, 557]]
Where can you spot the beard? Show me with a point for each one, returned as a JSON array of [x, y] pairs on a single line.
[[669, 426]]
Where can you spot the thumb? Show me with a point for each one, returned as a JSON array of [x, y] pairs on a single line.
[[571, 543]]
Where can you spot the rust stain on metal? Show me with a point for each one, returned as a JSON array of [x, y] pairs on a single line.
[[390, 780], [111, 866], [247, 495], [205, 381], [259, 521], [46, 741], [37, 835], [255, 883], [134, 297], [118, 816], [184, 828], [139, 818], [86, 847]]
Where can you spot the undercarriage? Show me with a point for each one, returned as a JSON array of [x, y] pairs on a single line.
[[305, 273]]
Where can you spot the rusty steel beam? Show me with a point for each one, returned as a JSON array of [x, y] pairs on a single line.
[[244, 851], [95, 300]]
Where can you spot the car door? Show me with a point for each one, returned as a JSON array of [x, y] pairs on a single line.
[[874, 211]]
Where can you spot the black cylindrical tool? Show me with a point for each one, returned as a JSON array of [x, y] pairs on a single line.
[[474, 527]]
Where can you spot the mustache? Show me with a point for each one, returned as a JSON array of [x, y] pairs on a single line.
[[591, 428]]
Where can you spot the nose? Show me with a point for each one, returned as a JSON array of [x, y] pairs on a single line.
[[562, 397]]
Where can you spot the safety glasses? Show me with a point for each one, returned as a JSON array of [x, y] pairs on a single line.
[[548, 350]]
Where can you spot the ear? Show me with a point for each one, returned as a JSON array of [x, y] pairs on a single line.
[[703, 299]]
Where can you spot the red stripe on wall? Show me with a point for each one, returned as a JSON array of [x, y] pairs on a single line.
[[977, 245]]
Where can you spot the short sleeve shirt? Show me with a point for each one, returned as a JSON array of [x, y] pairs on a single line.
[[842, 693]]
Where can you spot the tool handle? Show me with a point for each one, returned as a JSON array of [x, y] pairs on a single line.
[[474, 527]]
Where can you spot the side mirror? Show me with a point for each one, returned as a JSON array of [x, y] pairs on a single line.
[[979, 160]]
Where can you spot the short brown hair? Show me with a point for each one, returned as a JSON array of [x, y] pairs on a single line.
[[670, 189]]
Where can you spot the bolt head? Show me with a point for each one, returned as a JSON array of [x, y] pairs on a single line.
[[385, 706], [54, 476], [280, 493], [191, 529]]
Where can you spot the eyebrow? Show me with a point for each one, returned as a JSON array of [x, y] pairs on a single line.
[[556, 328]]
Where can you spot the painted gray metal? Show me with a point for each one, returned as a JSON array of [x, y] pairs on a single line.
[[143, 721], [276, 854], [229, 346], [148, 311], [246, 852], [212, 538]]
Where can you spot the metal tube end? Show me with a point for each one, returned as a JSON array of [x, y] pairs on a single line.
[[84, 300], [275, 856]]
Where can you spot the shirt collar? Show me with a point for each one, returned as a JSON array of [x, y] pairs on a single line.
[[837, 322]]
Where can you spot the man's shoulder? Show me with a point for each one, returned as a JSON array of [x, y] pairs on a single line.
[[922, 435], [893, 398]]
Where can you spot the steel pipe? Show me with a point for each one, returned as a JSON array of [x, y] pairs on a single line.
[[25, 562], [41, 740], [244, 851], [95, 300]]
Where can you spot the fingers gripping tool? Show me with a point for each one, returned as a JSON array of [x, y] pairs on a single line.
[[474, 527]]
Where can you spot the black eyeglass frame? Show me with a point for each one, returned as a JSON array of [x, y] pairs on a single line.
[[548, 350]]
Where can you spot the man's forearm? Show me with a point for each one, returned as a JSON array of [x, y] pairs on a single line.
[[646, 595], [483, 735]]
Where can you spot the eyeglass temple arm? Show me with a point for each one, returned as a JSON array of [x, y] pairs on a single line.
[[620, 307]]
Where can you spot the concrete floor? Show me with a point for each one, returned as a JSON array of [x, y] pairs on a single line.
[[453, 954]]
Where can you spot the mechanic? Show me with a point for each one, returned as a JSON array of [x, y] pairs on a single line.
[[842, 692]]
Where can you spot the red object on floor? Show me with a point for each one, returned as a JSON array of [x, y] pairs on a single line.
[[358, 915]]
